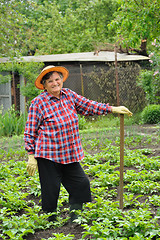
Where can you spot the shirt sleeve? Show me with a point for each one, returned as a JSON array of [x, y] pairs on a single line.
[[86, 107], [31, 128]]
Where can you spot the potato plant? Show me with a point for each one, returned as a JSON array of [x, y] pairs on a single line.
[[21, 216]]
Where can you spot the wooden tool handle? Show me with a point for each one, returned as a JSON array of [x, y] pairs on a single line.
[[121, 160]]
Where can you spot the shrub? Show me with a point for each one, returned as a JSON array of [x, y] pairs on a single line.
[[151, 114], [149, 79]]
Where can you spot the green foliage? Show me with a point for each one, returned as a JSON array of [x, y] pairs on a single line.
[[102, 122], [11, 122], [42, 27], [151, 114], [17, 25], [60, 236], [4, 77], [155, 64], [110, 121], [13, 199], [49, 27], [29, 70], [82, 122], [79, 25], [136, 20], [145, 81], [20, 204], [149, 80], [144, 187], [108, 222]]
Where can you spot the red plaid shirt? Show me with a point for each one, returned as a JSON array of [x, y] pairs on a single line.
[[51, 129]]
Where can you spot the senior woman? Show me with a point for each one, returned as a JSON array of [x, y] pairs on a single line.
[[53, 143]]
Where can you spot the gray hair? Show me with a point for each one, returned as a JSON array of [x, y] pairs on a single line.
[[47, 76]]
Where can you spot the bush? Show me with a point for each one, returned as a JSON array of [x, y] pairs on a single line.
[[151, 114], [149, 79]]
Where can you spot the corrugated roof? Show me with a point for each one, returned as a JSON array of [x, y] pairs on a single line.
[[103, 56]]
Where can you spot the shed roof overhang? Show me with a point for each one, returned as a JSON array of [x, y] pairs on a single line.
[[103, 56]]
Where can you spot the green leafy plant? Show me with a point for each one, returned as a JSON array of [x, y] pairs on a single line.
[[149, 79], [20, 203], [12, 122], [151, 114], [155, 200], [82, 122], [144, 187], [60, 236]]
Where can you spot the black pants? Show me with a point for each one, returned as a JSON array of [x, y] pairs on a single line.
[[72, 177]]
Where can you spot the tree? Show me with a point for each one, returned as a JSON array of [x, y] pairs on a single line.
[[135, 21], [10, 23], [17, 22], [75, 27], [30, 27]]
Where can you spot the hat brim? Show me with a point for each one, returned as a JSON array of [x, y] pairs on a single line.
[[62, 70]]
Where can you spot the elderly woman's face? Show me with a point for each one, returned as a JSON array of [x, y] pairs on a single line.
[[54, 84]]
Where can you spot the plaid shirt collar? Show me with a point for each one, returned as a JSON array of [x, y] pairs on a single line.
[[50, 96]]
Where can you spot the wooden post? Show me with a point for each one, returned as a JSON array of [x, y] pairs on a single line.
[[121, 135], [121, 160], [82, 85], [14, 90], [116, 74]]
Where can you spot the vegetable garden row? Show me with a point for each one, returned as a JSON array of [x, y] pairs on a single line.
[[21, 216]]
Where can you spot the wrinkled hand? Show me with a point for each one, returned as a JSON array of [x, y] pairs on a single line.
[[121, 110], [31, 165]]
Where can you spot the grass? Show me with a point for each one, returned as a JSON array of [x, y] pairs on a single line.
[[110, 121]]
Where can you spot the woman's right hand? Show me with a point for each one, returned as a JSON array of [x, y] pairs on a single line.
[[121, 110], [31, 165]]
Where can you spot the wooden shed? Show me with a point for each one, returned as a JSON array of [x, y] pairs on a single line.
[[90, 75]]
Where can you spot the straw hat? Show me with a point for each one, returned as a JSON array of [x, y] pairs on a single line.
[[48, 69]]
